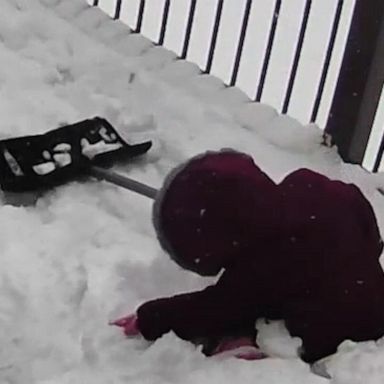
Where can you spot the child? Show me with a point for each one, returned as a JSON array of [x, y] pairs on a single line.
[[305, 250]]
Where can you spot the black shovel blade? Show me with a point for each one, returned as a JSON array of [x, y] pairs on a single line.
[[43, 161]]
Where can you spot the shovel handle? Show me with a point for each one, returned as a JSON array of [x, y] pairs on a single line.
[[122, 181]]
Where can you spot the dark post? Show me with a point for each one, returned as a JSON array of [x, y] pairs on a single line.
[[188, 31], [327, 61], [215, 33], [360, 82], [117, 9], [240, 46], [268, 51], [379, 157], [140, 16], [164, 21], [296, 61]]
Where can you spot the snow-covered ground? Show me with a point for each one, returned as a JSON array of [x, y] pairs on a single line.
[[86, 253]]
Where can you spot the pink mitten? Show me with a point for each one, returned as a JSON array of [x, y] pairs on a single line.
[[129, 324], [241, 348]]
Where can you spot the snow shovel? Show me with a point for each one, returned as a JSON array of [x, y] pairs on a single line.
[[40, 162]]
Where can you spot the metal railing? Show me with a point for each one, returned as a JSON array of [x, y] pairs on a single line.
[[360, 79], [360, 84]]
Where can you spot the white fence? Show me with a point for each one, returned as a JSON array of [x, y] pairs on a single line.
[[287, 54]]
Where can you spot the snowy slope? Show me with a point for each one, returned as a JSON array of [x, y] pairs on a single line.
[[86, 253]]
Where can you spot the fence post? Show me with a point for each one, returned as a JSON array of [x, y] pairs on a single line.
[[117, 9], [360, 82]]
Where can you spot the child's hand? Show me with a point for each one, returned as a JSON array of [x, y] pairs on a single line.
[[129, 324], [242, 348]]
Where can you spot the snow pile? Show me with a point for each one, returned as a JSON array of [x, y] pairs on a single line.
[[86, 253]]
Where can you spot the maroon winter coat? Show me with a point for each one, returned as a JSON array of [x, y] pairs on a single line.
[[305, 250]]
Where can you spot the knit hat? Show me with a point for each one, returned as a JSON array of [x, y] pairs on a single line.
[[212, 209]]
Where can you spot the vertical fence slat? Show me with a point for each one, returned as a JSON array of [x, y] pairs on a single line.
[[360, 82], [268, 51], [215, 32], [188, 30], [327, 61], [296, 61], [117, 9], [240, 46], [379, 156], [140, 17], [164, 22]]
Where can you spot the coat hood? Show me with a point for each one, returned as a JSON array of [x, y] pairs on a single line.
[[214, 209]]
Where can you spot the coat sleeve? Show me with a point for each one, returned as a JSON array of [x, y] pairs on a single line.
[[213, 312]]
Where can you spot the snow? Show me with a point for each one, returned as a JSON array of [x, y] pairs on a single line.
[[86, 253], [91, 150], [44, 168], [63, 147], [15, 168], [62, 159]]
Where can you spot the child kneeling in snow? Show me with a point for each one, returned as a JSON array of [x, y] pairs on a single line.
[[305, 250]]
